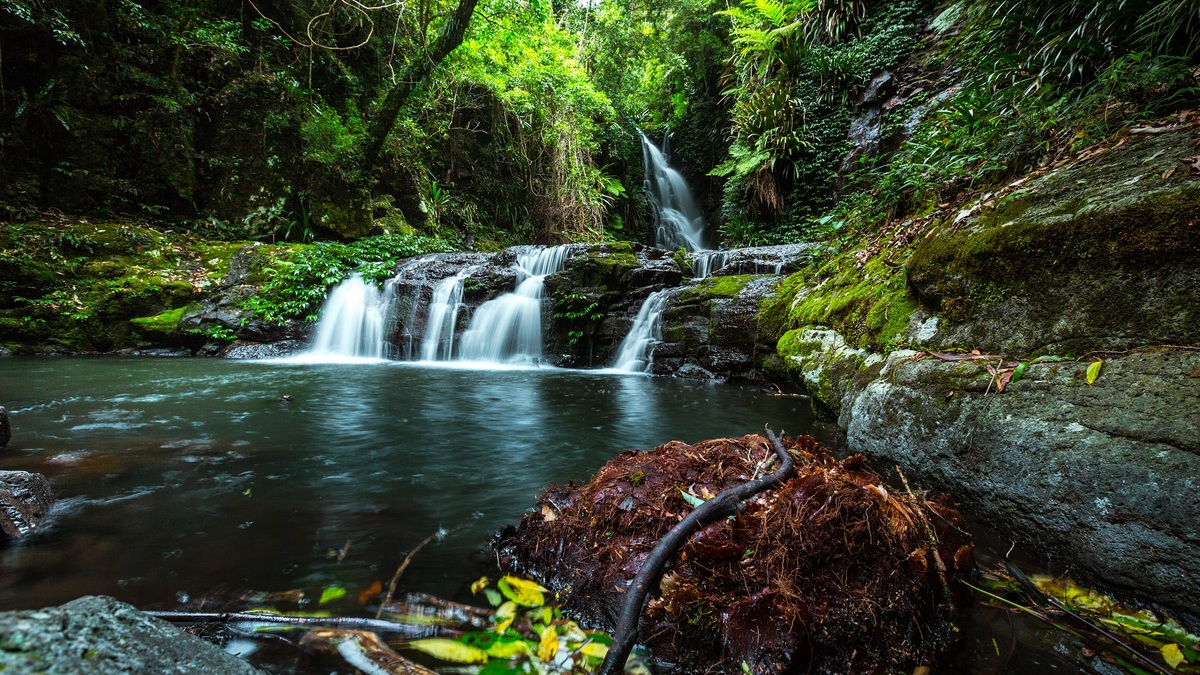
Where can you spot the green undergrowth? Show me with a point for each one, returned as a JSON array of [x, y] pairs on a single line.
[[296, 278], [74, 286]]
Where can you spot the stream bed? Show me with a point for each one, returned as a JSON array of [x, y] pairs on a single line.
[[180, 478]]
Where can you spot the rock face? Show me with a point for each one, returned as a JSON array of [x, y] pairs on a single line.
[[5, 428], [97, 634], [25, 499], [1100, 256]]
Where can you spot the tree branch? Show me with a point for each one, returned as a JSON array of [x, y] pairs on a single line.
[[724, 504]]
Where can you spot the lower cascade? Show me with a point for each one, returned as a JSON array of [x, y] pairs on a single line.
[[509, 328], [352, 322], [634, 355]]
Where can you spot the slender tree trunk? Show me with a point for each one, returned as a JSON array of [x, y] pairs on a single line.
[[413, 76]]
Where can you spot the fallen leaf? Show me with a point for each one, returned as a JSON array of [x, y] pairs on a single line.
[[1003, 378], [1172, 654], [1019, 371], [1193, 163], [548, 647], [369, 592], [1093, 371], [331, 593], [548, 514], [1167, 174], [504, 616], [479, 585], [521, 591], [1196, 372], [449, 650]]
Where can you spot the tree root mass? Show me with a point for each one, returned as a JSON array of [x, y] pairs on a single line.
[[831, 572]]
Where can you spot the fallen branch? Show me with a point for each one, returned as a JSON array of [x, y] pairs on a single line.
[[349, 623], [439, 535], [724, 504]]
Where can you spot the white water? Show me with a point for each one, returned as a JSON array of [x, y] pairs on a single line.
[[634, 355], [677, 217], [707, 262], [438, 341], [352, 324], [508, 329]]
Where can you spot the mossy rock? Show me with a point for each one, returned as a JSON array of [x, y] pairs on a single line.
[[1101, 256]]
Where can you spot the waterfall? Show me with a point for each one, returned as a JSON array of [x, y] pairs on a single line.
[[509, 328], [352, 323], [634, 355], [677, 218], [438, 341], [707, 262]]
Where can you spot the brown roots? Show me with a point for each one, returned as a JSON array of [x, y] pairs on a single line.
[[830, 572]]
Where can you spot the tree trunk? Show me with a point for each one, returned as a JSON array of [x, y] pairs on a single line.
[[413, 76]]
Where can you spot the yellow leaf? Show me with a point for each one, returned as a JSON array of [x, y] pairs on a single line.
[[479, 585], [1172, 654], [594, 649], [522, 591], [1093, 371], [504, 616], [548, 647], [450, 650], [507, 650]]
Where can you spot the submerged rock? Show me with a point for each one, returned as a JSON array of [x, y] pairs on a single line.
[[97, 634], [829, 573], [5, 428], [25, 499]]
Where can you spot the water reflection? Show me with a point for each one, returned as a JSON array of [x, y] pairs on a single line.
[[180, 476]]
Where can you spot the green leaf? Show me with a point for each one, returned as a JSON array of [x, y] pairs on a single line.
[[690, 498], [493, 597], [449, 650], [1093, 371], [1172, 654], [1019, 370], [332, 593]]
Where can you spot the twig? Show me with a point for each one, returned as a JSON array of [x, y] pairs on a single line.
[[439, 535], [359, 623], [724, 504]]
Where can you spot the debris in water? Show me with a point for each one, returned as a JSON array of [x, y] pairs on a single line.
[[831, 572]]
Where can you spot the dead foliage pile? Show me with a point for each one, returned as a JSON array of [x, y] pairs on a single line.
[[829, 573]]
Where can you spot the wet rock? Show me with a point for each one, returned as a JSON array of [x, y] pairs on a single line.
[[828, 573], [5, 352], [25, 499], [5, 428], [258, 350], [1101, 477], [96, 634], [781, 259]]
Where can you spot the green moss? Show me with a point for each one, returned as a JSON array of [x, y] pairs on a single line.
[[1008, 248], [165, 322], [715, 287]]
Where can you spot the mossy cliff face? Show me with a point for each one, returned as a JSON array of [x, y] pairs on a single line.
[[1102, 254]]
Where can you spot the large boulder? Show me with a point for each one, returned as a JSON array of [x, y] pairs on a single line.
[[1100, 254], [1102, 477], [100, 635], [25, 499]]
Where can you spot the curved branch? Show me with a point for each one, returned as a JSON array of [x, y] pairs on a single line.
[[724, 504]]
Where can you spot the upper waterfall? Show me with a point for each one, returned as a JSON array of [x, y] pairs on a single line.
[[677, 217]]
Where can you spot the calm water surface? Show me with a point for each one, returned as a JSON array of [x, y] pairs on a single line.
[[181, 479], [178, 476]]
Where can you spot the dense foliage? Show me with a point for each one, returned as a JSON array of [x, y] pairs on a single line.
[[792, 118]]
